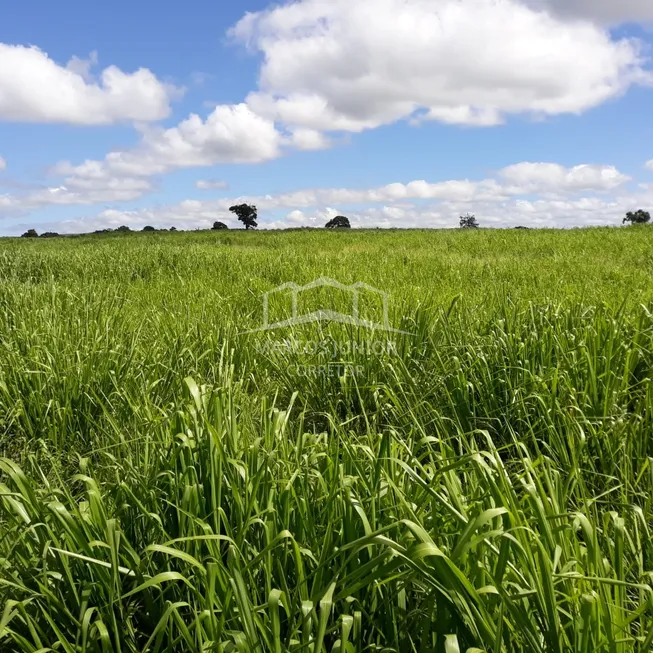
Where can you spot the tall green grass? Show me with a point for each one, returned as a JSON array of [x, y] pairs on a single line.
[[170, 483]]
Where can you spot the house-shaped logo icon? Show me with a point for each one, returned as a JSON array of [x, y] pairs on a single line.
[[326, 315]]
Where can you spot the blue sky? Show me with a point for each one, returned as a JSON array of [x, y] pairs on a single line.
[[397, 113]]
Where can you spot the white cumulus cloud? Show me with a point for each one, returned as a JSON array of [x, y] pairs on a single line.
[[554, 178], [309, 139], [12, 205], [34, 88], [348, 66], [609, 12], [75, 192], [230, 134], [211, 184]]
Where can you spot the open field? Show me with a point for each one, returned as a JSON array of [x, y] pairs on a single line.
[[170, 483]]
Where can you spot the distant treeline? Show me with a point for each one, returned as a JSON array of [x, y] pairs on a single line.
[[248, 215]]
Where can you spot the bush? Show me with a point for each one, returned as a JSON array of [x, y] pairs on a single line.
[[30, 233], [50, 234], [219, 225]]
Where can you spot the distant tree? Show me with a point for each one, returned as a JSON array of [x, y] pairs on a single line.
[[49, 234], [220, 225], [103, 231], [247, 214], [30, 233], [173, 228], [468, 222], [148, 228], [638, 217], [520, 227], [339, 222], [123, 229]]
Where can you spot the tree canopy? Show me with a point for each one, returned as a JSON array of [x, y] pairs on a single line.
[[637, 217], [468, 222], [247, 214], [339, 222]]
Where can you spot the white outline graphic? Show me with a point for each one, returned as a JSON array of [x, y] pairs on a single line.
[[327, 315]]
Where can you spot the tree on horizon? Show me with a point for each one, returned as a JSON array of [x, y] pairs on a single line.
[[339, 222], [637, 217], [468, 222], [247, 214]]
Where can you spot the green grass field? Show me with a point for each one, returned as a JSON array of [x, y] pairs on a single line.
[[170, 483]]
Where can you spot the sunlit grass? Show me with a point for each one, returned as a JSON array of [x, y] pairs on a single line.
[[170, 483]]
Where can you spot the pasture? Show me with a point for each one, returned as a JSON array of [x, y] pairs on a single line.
[[171, 482]]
